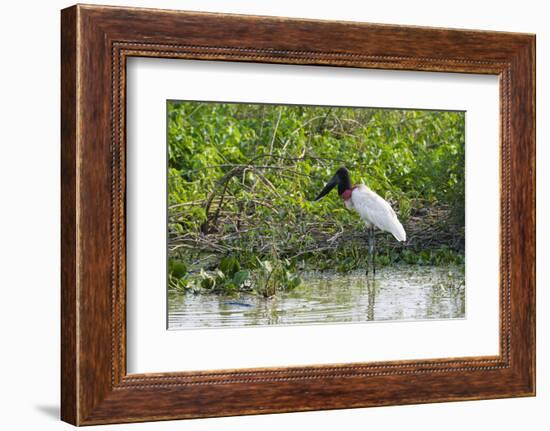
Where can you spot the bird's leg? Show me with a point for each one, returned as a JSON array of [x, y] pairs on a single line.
[[368, 255], [371, 248], [373, 252]]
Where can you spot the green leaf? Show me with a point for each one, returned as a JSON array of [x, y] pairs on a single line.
[[177, 269], [240, 277], [229, 265]]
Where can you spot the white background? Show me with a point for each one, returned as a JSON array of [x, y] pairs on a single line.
[[29, 228], [151, 348]]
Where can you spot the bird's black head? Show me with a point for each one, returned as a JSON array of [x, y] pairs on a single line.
[[341, 179]]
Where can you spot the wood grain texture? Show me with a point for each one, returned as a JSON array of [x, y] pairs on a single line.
[[69, 371], [96, 41]]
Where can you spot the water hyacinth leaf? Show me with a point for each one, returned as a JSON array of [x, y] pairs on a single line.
[[177, 269], [240, 277], [229, 265]]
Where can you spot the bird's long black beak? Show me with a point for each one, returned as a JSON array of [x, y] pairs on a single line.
[[330, 185]]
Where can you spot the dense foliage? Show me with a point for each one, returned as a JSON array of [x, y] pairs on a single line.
[[241, 179]]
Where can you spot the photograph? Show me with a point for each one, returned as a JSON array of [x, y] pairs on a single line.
[[298, 215]]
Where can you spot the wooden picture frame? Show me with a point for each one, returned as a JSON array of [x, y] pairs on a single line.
[[95, 43]]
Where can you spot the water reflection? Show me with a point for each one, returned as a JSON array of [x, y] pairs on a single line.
[[371, 297], [397, 293]]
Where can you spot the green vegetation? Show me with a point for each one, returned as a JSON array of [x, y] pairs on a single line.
[[241, 179]]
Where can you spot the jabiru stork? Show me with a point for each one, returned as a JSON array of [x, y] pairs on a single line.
[[373, 210]]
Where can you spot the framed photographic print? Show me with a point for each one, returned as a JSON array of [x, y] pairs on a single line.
[[265, 215]]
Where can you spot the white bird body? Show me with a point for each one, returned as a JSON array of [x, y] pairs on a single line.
[[374, 211]]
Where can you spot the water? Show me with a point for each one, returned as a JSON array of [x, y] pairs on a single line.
[[397, 293]]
